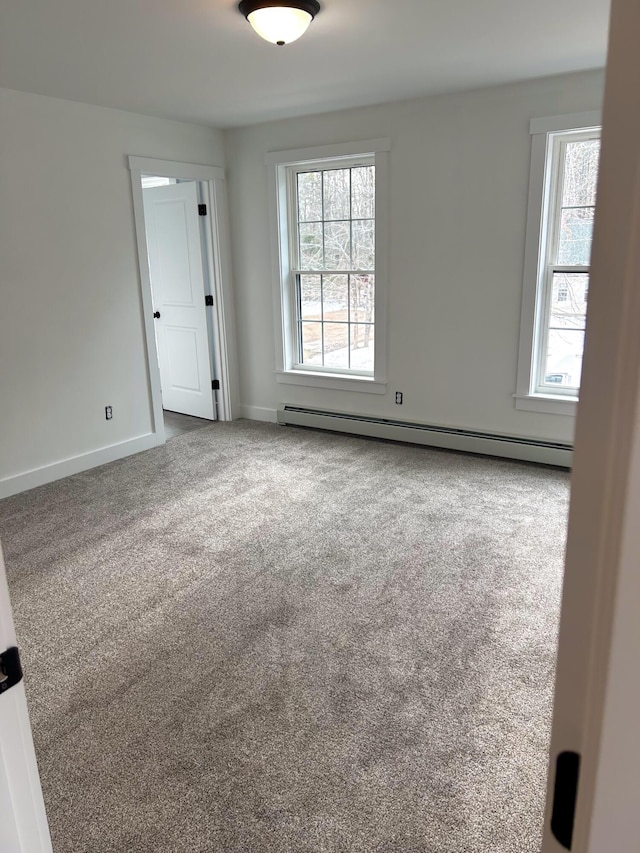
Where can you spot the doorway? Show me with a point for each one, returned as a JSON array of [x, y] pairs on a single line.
[[180, 215], [176, 424], [181, 294]]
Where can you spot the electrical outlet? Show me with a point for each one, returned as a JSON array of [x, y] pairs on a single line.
[[108, 412], [398, 398]]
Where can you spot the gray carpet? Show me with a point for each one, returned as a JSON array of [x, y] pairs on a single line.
[[260, 639]]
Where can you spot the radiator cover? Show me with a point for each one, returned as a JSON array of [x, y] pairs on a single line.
[[432, 435]]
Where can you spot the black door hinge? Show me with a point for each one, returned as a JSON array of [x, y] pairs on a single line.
[[202, 210], [565, 794], [215, 384], [208, 300], [10, 669]]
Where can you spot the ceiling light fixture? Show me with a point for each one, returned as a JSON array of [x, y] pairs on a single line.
[[279, 21]]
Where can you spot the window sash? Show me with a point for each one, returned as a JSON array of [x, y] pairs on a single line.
[[352, 322], [542, 386]]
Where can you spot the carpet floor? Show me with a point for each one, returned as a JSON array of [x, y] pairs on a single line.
[[259, 639]]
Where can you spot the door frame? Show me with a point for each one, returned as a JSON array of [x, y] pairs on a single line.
[[212, 180]]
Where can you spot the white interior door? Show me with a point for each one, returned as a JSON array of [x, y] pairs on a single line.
[[597, 705], [177, 284], [23, 822]]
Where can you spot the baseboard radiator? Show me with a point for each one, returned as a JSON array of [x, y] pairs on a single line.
[[469, 441]]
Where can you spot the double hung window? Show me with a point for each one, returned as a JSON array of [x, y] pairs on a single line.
[[333, 261], [330, 253], [564, 174], [565, 271]]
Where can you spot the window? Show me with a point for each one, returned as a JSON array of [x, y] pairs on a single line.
[[334, 261], [331, 256], [564, 175], [564, 274]]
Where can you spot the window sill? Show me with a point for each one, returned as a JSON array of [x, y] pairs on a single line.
[[548, 404], [333, 381]]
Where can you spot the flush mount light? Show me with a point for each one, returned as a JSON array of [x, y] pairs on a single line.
[[279, 21]]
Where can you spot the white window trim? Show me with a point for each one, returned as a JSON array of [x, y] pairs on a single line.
[[278, 163], [526, 397]]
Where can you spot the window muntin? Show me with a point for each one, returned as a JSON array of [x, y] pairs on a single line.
[[572, 161], [332, 212]]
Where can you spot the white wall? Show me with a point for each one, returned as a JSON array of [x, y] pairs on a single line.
[[459, 186], [71, 335]]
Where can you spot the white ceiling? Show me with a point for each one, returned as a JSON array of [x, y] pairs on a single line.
[[199, 60]]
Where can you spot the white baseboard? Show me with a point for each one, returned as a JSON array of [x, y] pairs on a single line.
[[66, 467], [258, 413]]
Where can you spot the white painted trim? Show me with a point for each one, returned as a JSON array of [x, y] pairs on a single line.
[[75, 464], [171, 169], [547, 405], [430, 435], [527, 355], [383, 230], [277, 195], [152, 364], [212, 238], [313, 379], [550, 124], [326, 152], [258, 413], [226, 326]]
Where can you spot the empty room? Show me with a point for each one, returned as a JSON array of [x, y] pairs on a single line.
[[312, 497]]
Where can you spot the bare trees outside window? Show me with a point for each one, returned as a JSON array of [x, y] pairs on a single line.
[[334, 260]]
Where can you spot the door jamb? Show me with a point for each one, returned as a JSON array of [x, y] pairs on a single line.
[[218, 254]]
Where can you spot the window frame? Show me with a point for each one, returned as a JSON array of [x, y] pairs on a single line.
[[296, 270], [542, 220], [283, 165]]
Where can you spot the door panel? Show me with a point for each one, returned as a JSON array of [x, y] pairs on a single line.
[[173, 261], [182, 356], [177, 284], [23, 822]]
